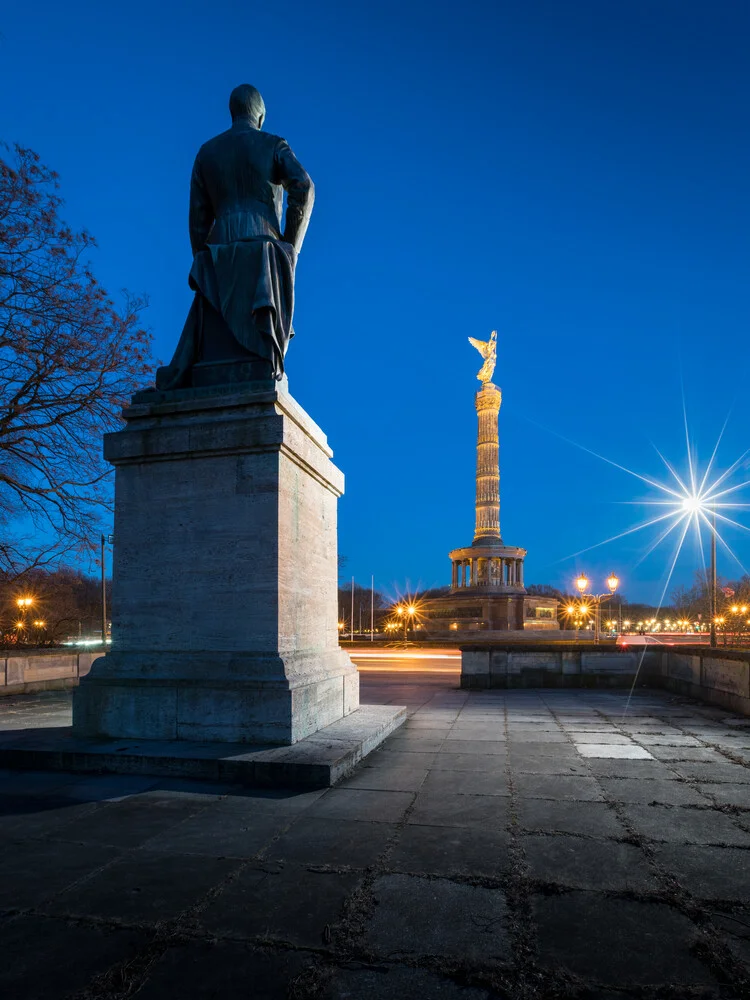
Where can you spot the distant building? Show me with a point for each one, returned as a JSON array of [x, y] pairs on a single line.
[[487, 590]]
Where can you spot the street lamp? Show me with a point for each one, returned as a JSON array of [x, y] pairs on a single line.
[[24, 604], [582, 583]]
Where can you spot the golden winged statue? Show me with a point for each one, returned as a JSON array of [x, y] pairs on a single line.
[[488, 350]]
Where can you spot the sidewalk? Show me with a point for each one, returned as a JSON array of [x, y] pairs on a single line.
[[530, 844]]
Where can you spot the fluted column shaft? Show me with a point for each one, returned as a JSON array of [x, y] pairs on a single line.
[[487, 402]]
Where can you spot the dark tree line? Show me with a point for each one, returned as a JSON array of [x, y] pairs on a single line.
[[69, 360], [56, 605]]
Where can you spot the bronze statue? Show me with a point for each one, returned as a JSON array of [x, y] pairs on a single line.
[[488, 350], [240, 323]]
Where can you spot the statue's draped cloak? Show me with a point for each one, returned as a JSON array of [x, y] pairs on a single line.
[[250, 284], [243, 267]]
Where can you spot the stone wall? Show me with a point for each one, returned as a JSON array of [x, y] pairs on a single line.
[[43, 670], [718, 676], [553, 665]]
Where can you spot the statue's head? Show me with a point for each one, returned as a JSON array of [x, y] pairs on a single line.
[[245, 102]]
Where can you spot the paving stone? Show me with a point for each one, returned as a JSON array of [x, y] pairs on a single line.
[[417, 916], [680, 825], [629, 752], [408, 732], [223, 969], [397, 758], [734, 773], [284, 901], [475, 746], [587, 864], [735, 929], [495, 763], [143, 888], [32, 816], [589, 819], [613, 738], [48, 959], [728, 794], [549, 764], [131, 822], [617, 941], [388, 982], [34, 872], [439, 809], [709, 872], [221, 834], [362, 804], [665, 739], [402, 778], [687, 753], [467, 783], [331, 842], [612, 768], [557, 786], [413, 744], [647, 790], [444, 850], [535, 736]]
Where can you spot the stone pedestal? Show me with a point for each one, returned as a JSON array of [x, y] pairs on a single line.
[[224, 624]]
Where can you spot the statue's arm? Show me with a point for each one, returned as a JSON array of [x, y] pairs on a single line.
[[201, 212], [300, 194]]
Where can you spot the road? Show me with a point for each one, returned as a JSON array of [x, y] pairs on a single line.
[[416, 661]]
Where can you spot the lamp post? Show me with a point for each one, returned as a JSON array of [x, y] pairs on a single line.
[[582, 583], [105, 540], [712, 582]]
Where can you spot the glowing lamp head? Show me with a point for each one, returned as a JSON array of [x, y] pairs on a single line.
[[411, 610], [692, 504], [582, 583], [613, 583]]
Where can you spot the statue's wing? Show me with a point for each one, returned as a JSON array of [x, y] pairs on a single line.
[[481, 345]]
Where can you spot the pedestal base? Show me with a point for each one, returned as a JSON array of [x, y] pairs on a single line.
[[318, 761], [224, 623], [214, 697]]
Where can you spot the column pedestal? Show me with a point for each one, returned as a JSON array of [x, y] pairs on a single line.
[[224, 624]]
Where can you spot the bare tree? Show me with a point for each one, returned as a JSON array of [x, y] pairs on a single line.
[[69, 360]]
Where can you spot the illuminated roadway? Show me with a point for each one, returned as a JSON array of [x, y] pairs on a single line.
[[413, 661]]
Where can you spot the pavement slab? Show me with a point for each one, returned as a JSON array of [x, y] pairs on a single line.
[[142, 888], [583, 863], [561, 787], [588, 819], [716, 873], [616, 940], [293, 903], [451, 851], [349, 843], [224, 969], [48, 959], [477, 854], [435, 808], [389, 982], [416, 916], [685, 825]]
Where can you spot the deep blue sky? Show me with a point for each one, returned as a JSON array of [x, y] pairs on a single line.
[[573, 174]]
